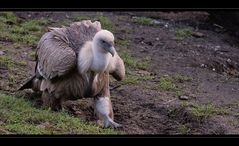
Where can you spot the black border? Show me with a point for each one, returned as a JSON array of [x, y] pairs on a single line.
[[73, 5], [118, 5], [120, 139]]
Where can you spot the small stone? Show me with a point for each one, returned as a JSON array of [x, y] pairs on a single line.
[[157, 39], [143, 72], [217, 48], [143, 50], [2, 53], [78, 113], [156, 22], [166, 75], [199, 46], [213, 69], [192, 95], [183, 97], [198, 34], [203, 65]]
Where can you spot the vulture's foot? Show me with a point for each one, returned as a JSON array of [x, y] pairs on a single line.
[[103, 109], [110, 123]]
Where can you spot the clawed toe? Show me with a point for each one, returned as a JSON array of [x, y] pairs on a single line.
[[112, 124]]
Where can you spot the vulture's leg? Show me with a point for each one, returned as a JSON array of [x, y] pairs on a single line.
[[103, 107], [104, 111]]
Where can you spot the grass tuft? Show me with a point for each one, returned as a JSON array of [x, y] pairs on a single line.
[[18, 116]]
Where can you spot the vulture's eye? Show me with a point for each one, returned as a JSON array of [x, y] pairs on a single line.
[[103, 41]]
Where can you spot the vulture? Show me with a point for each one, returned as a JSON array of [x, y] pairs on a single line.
[[76, 62]]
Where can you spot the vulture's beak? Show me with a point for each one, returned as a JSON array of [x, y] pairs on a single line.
[[111, 50]]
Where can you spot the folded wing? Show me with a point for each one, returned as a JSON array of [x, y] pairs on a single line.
[[58, 49]]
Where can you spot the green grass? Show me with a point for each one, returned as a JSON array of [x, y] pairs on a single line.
[[2, 47], [129, 61], [135, 79], [11, 79], [203, 111], [8, 18], [181, 78], [179, 93], [65, 22], [21, 32], [207, 110], [6, 62], [19, 116], [123, 43], [80, 18], [133, 63], [32, 55], [143, 21], [182, 33], [167, 83], [106, 23], [183, 129], [22, 63]]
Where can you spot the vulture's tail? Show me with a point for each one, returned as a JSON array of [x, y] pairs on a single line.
[[33, 83]]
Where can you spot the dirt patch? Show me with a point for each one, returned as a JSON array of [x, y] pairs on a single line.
[[83, 108]]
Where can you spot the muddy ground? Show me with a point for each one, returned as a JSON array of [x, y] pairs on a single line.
[[203, 66]]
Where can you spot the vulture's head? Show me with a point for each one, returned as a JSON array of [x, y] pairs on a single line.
[[104, 40]]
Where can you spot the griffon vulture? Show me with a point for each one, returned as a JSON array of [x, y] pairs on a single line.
[[75, 62]]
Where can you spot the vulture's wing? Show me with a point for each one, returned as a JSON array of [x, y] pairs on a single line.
[[117, 68], [57, 49], [54, 56]]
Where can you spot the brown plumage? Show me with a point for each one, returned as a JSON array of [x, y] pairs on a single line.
[[75, 62]]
